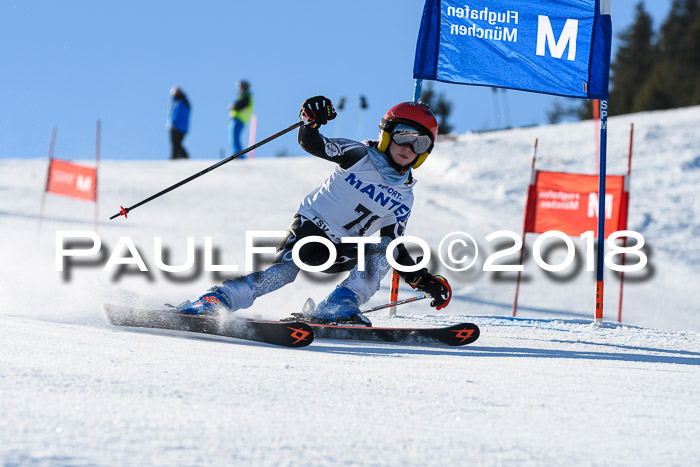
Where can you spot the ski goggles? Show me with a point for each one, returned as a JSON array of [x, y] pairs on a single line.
[[419, 142]]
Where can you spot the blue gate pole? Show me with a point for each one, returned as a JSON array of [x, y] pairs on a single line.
[[417, 89], [602, 174]]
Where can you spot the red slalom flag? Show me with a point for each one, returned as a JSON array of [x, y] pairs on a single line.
[[569, 203], [72, 180]]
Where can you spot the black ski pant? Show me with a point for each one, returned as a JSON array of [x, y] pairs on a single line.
[[176, 137]]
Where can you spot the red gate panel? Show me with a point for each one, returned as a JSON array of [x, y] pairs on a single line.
[[569, 203], [72, 180]]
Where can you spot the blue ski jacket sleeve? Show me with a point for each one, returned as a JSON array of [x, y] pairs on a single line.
[[179, 115]]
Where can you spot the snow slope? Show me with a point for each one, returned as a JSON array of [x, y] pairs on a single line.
[[547, 387]]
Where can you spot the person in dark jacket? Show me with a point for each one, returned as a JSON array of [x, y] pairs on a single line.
[[178, 122]]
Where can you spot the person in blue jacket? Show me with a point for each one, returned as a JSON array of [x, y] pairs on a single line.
[[179, 122]]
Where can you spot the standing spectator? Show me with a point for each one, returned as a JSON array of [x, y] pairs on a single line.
[[179, 122], [239, 115]]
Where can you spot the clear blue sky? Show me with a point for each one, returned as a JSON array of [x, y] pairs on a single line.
[[66, 63]]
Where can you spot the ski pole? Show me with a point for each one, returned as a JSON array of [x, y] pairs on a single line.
[[124, 211], [400, 302]]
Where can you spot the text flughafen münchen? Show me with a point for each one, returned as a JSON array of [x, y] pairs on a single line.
[[502, 23]]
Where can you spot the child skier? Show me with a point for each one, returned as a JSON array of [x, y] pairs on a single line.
[[370, 190]]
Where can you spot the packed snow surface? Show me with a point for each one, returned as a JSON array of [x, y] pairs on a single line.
[[547, 387]]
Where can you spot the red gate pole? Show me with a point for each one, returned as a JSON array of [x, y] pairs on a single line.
[[98, 143], [52, 142], [394, 292], [530, 195], [252, 134], [626, 208]]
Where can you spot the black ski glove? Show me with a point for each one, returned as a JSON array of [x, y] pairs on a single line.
[[435, 286], [317, 111]]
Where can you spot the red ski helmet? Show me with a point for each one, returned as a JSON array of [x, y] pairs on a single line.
[[414, 114]]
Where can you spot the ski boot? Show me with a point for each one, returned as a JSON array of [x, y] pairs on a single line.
[[340, 307], [208, 304]]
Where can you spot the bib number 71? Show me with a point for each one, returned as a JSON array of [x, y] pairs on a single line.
[[366, 216]]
